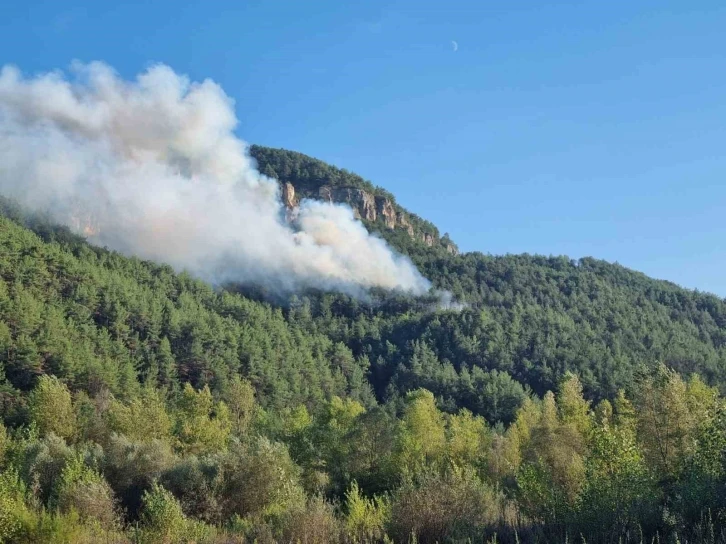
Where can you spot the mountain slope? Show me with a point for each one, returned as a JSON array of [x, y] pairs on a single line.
[[102, 321], [528, 321], [126, 443], [533, 317]]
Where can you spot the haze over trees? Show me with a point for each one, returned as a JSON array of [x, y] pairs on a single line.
[[567, 400]]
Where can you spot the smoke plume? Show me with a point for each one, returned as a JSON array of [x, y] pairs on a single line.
[[153, 168]]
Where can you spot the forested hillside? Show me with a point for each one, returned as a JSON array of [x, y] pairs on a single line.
[[567, 399], [531, 317]]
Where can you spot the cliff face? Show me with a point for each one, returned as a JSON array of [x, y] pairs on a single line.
[[302, 177], [369, 207], [362, 202], [288, 196]]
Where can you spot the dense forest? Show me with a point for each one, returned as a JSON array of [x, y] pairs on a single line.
[[567, 400]]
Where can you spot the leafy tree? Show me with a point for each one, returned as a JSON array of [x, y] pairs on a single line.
[[665, 421], [366, 519], [83, 490], [468, 439], [550, 479], [143, 419], [260, 479], [202, 426], [240, 399], [51, 407], [453, 506], [162, 519], [619, 490], [422, 435]]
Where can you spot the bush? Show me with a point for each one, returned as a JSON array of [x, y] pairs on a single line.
[[366, 518], [83, 490], [314, 524], [131, 468], [12, 506], [193, 483], [260, 479], [456, 505]]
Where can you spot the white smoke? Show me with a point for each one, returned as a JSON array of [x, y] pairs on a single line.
[[152, 168]]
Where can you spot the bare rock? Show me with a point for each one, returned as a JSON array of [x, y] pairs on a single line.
[[361, 201], [404, 223], [288, 196], [386, 210]]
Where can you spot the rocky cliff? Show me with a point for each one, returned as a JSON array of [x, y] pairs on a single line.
[[369, 207], [303, 177]]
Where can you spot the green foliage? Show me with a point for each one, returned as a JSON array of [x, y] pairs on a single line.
[[665, 421], [194, 482], [142, 405], [552, 474], [40, 462], [51, 408], [365, 519], [468, 439], [132, 467], [619, 492], [83, 490], [260, 480], [422, 438], [203, 426], [314, 523], [143, 419], [436, 508], [12, 505], [162, 521], [240, 399]]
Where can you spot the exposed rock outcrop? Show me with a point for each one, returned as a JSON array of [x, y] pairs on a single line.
[[288, 195], [406, 224], [368, 207], [385, 209], [362, 202]]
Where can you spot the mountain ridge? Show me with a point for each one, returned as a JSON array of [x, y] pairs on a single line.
[[603, 318], [301, 176]]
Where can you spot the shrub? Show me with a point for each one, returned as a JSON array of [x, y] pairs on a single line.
[[315, 523], [456, 505], [366, 518], [51, 408], [260, 479], [83, 490], [193, 483], [131, 468]]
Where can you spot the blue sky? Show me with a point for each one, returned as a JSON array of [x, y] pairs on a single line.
[[577, 128]]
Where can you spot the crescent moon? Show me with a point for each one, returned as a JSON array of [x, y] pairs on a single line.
[[454, 45]]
